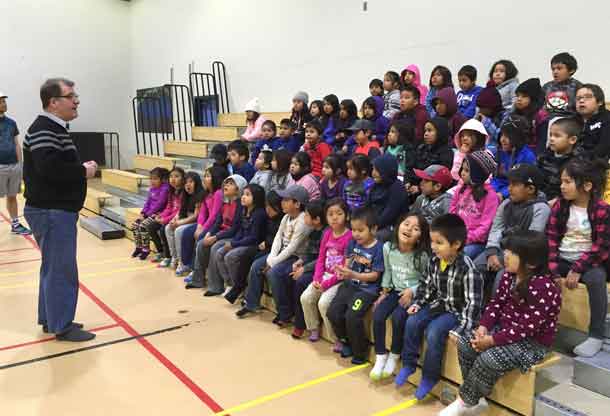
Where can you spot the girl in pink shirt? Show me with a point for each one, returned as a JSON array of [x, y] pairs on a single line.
[[300, 169], [316, 299], [254, 121]]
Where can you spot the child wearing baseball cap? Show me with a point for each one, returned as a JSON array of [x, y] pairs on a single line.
[[433, 200]]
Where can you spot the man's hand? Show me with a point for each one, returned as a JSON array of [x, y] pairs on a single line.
[[91, 168], [406, 298], [493, 263], [572, 280]]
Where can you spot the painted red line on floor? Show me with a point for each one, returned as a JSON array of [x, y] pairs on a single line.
[[47, 339], [16, 249], [186, 380], [180, 375], [19, 261]]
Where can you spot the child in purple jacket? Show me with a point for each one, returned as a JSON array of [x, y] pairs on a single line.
[[155, 203]]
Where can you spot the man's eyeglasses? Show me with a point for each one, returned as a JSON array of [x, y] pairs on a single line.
[[72, 97]]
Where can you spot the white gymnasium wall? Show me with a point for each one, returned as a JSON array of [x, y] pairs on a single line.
[[274, 48], [84, 40]]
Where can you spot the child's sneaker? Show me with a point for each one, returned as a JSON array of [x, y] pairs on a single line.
[[157, 258], [314, 336], [189, 278], [144, 254], [358, 361], [297, 333], [390, 365], [136, 252], [165, 262], [182, 269], [174, 263], [346, 351], [20, 230], [377, 371], [338, 347]]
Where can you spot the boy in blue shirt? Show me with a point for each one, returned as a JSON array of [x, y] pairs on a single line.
[[360, 288], [10, 166], [238, 156], [469, 91]]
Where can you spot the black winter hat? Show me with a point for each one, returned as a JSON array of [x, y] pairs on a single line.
[[531, 88]]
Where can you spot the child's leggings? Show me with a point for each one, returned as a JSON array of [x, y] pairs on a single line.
[[140, 232], [315, 304], [481, 371]]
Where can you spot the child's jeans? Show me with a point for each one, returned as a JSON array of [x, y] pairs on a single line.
[[437, 327], [282, 287], [389, 306], [315, 304], [188, 244], [346, 314], [234, 263], [473, 250]]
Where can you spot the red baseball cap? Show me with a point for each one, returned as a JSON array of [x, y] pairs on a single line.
[[436, 173]]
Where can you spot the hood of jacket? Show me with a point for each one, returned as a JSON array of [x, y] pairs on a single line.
[[447, 96], [387, 166], [472, 124], [442, 131], [415, 69]]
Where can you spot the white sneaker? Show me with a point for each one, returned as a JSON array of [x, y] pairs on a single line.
[[454, 409], [377, 370], [390, 365], [476, 410]]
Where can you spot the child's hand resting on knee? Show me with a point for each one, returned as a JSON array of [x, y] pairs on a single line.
[[406, 298], [413, 309], [317, 285]]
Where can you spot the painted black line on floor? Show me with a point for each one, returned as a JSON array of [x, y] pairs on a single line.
[[91, 347]]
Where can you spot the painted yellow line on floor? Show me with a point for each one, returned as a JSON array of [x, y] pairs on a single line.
[[289, 390], [397, 408], [91, 263], [85, 275]]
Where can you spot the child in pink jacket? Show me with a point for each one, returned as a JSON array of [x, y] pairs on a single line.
[[410, 75], [254, 121], [475, 201]]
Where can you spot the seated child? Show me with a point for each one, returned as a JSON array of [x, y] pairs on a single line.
[[469, 91], [228, 262], [363, 130], [328, 119], [391, 99], [219, 154], [333, 179], [288, 138], [401, 144], [405, 259], [156, 227], [213, 177], [280, 165], [317, 297], [411, 76], [254, 264], [445, 105], [591, 106], [518, 326], [512, 150], [376, 87], [563, 139], [264, 173], [316, 149], [388, 197], [503, 76], [238, 156], [287, 288], [189, 211], [433, 201], [219, 233], [440, 78], [560, 93], [300, 168], [448, 299], [491, 114], [579, 241], [525, 209], [412, 111], [155, 203], [268, 139], [299, 116], [359, 182], [289, 243], [254, 121], [471, 137], [474, 200], [348, 114], [528, 103], [372, 110], [316, 110], [361, 276]]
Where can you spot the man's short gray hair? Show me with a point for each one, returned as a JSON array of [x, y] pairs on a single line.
[[52, 89]]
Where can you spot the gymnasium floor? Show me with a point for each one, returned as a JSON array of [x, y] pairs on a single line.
[[160, 349]]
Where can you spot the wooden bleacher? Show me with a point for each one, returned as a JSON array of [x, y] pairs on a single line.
[[121, 179], [575, 311], [183, 148], [147, 162], [239, 119], [95, 200], [215, 134]]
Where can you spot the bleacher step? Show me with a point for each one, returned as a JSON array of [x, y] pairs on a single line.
[[567, 399], [128, 181], [114, 213], [128, 199], [593, 373], [215, 134], [102, 228]]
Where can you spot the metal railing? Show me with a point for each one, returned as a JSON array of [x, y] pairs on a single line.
[[112, 136], [220, 77]]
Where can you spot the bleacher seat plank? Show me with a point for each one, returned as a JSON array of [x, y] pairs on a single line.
[[215, 134], [239, 119], [121, 179], [180, 148], [95, 200], [148, 162]]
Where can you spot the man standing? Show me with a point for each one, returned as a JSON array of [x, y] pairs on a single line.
[[10, 166], [55, 189]]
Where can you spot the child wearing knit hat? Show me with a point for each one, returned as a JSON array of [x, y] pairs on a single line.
[[529, 101], [300, 113], [254, 121], [475, 201]]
